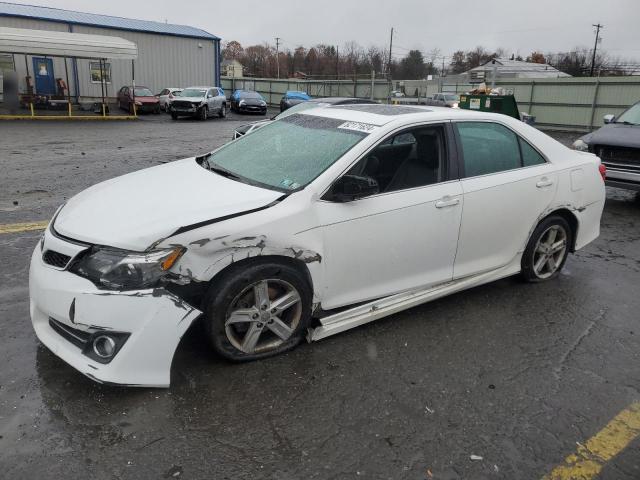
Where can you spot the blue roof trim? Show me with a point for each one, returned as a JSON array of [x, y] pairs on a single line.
[[95, 20]]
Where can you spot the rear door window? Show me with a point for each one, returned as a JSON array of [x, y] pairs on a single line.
[[488, 148]]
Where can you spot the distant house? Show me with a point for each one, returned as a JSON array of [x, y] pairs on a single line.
[[506, 68], [231, 68]]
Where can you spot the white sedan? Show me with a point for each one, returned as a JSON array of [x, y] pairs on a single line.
[[166, 96], [313, 224]]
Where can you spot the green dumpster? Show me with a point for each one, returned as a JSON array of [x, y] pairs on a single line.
[[505, 104]]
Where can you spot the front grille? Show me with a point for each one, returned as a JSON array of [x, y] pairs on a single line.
[[79, 338], [181, 104], [56, 259], [618, 156]]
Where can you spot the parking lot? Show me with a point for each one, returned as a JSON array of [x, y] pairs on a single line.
[[501, 381]]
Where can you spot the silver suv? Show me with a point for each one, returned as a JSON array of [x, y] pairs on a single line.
[[199, 102]]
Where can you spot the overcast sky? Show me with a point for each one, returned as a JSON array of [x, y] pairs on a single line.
[[521, 26]]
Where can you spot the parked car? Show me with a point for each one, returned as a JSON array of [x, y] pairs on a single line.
[[396, 94], [166, 96], [618, 146], [145, 100], [199, 102], [320, 222], [291, 98], [248, 101], [443, 100], [315, 103]]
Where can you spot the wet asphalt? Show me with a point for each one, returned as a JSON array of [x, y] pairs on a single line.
[[510, 372]]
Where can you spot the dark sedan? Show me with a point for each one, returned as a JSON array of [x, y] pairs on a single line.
[[248, 101], [292, 98], [618, 146], [143, 99]]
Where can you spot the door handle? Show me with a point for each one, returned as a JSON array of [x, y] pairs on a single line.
[[447, 202], [544, 182]]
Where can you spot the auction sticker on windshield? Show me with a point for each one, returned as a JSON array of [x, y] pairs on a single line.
[[357, 126]]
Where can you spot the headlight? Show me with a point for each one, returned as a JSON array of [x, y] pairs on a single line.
[[263, 103], [196, 104], [241, 102], [123, 270], [138, 103], [455, 105], [580, 145]]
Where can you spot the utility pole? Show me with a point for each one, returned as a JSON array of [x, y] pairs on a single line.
[[442, 71], [390, 49], [278, 55], [337, 63], [595, 47], [389, 67]]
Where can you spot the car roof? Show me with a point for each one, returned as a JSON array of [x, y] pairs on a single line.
[[382, 114], [342, 100], [198, 86]]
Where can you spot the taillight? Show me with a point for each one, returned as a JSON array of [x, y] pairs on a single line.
[[603, 171]]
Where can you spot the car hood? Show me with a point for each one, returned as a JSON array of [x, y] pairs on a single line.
[[615, 134], [136, 210], [251, 101]]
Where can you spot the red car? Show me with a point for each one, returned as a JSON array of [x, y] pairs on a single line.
[[144, 99]]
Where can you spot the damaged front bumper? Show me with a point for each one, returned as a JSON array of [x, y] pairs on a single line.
[[69, 313]]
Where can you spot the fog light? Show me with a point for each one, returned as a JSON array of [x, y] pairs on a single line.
[[104, 346]]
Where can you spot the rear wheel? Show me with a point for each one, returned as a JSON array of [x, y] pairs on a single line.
[[258, 311], [547, 249]]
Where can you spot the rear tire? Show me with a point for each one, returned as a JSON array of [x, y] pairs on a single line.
[[547, 250], [257, 311]]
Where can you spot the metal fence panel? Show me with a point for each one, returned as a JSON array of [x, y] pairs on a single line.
[[561, 103]]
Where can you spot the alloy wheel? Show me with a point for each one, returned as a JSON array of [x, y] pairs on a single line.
[[550, 251], [263, 316]]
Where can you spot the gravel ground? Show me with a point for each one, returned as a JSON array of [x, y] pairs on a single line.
[[510, 372]]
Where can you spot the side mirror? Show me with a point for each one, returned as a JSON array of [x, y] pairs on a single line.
[[609, 118], [353, 187]]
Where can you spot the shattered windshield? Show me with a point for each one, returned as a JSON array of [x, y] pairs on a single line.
[[288, 154]]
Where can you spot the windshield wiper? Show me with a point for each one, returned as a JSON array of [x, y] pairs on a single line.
[[625, 122], [214, 167]]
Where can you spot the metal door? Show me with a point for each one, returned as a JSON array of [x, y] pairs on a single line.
[[45, 82]]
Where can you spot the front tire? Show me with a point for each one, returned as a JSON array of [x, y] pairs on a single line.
[[203, 113], [174, 116], [223, 111], [547, 250], [258, 311]]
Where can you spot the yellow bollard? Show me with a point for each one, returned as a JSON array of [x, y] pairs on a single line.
[[31, 108], [103, 112], [69, 107]]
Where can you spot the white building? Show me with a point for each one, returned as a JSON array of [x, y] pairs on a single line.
[[506, 68], [168, 55]]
